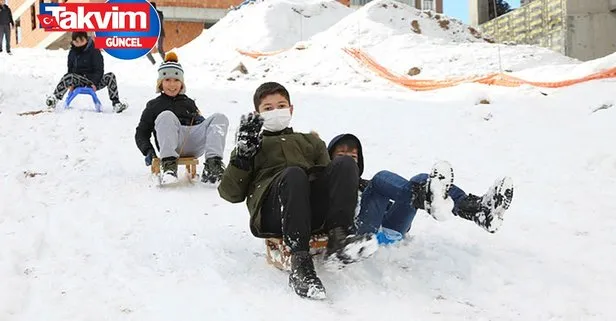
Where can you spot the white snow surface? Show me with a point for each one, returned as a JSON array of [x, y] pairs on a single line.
[[87, 235]]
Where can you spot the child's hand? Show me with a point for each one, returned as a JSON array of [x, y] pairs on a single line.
[[248, 135]]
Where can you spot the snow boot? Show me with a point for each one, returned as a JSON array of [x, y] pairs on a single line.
[[344, 248], [433, 196], [51, 101], [303, 278], [488, 210], [212, 170], [119, 107], [169, 170]]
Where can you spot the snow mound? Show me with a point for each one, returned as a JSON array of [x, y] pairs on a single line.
[[270, 25], [382, 19]]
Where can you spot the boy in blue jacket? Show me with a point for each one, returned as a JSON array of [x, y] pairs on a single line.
[[389, 201]]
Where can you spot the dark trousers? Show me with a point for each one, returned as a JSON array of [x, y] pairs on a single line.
[[75, 80], [298, 206], [161, 51], [5, 34]]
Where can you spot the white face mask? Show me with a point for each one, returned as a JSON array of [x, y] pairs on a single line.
[[277, 119]]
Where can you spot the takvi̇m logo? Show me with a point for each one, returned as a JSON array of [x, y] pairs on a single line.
[[125, 29]]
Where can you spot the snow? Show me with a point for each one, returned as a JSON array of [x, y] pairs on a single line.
[[87, 235]]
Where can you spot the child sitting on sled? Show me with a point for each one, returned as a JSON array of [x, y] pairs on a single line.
[[293, 190], [389, 201], [178, 127]]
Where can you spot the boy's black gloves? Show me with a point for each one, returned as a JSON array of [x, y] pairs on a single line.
[[149, 156], [248, 140], [363, 183]]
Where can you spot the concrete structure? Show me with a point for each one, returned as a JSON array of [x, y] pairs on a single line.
[[434, 5], [579, 29], [524, 2]]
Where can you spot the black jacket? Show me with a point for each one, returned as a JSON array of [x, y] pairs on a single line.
[[6, 16], [183, 107], [86, 61]]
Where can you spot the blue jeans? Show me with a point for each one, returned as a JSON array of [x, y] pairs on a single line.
[[387, 202]]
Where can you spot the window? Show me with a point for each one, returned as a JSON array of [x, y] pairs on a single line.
[[17, 31], [428, 5], [33, 16]]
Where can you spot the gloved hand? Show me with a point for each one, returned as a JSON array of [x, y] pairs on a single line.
[[249, 137], [148, 158]]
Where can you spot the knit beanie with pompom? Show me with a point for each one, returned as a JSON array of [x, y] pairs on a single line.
[[170, 68]]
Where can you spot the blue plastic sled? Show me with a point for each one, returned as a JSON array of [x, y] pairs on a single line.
[[87, 91]]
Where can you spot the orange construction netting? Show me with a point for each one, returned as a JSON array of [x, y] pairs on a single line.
[[496, 79], [257, 54]]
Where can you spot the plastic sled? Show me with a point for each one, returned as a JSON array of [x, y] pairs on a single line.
[[86, 91]]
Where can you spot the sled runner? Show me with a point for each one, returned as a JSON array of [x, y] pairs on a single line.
[[278, 254], [189, 162], [86, 91]]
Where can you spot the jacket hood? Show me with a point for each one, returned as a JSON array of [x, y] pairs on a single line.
[[360, 155]]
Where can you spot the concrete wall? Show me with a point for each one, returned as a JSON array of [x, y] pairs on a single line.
[[478, 12], [591, 29]]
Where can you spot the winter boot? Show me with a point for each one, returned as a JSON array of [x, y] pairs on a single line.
[[344, 248], [488, 210], [303, 278], [119, 107], [51, 101], [169, 170], [433, 196], [212, 170]]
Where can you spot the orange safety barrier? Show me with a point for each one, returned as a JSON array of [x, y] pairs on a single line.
[[257, 54], [497, 79]]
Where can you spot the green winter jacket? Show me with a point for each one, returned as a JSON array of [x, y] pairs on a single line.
[[278, 151]]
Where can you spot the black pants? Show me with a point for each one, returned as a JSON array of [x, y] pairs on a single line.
[[75, 80], [297, 206], [161, 52]]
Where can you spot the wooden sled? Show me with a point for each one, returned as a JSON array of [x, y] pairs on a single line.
[[279, 255], [189, 162]]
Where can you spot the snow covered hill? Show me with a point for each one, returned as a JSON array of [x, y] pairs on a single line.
[[86, 234]]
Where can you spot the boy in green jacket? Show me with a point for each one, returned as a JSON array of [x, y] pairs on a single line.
[[293, 190]]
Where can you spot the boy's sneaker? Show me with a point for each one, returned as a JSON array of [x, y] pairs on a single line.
[[119, 107], [303, 278], [51, 101], [344, 248], [169, 170], [433, 196], [212, 170], [488, 211]]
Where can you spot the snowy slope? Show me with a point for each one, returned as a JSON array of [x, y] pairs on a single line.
[[263, 26], [384, 29], [86, 234]]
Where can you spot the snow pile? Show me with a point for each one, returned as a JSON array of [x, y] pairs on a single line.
[[269, 25], [382, 19], [87, 235], [400, 38]]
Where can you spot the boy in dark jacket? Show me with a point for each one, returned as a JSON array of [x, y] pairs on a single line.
[[389, 202], [293, 190], [86, 69], [179, 128], [6, 24]]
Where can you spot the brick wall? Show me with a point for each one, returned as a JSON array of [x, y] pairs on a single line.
[[178, 34]]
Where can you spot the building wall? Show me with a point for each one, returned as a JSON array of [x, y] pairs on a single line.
[[580, 29], [478, 12], [590, 29]]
